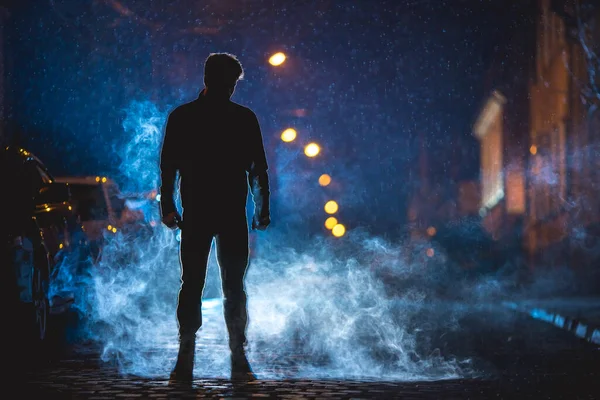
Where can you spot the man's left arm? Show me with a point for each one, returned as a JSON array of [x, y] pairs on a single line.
[[258, 176]]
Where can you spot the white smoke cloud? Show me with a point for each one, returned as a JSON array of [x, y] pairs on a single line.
[[327, 302]]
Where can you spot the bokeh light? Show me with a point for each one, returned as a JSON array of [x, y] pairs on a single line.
[[339, 230], [324, 180], [430, 252], [431, 231], [533, 149], [277, 59], [312, 149], [288, 135], [331, 222], [331, 207]]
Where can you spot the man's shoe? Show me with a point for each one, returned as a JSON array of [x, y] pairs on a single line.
[[184, 368], [179, 377], [240, 368]]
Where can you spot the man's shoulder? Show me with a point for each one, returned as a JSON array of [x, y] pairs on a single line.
[[181, 109], [242, 110]]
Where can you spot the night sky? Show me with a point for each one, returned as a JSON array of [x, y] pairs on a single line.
[[372, 75]]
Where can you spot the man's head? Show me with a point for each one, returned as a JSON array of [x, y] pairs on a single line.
[[221, 73]]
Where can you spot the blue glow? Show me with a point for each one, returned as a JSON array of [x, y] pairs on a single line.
[[91, 96], [295, 288], [581, 330], [596, 336], [542, 315]]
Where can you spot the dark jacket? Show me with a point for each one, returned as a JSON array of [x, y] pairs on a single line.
[[216, 146]]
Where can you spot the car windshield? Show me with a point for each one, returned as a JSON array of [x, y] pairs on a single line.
[[89, 201], [116, 201]]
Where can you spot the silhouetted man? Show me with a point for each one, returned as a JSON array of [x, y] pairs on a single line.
[[216, 147]]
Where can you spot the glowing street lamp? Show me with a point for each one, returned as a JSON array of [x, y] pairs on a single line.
[[331, 207], [339, 230], [533, 149], [331, 222], [289, 135], [277, 59], [324, 180], [311, 150]]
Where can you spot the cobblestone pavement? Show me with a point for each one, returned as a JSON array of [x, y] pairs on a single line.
[[517, 357], [73, 380]]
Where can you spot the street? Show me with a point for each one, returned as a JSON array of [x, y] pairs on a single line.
[[419, 181], [511, 356]]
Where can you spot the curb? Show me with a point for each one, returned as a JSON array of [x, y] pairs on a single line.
[[580, 328]]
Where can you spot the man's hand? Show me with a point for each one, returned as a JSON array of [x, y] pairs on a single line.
[[171, 220], [260, 224]]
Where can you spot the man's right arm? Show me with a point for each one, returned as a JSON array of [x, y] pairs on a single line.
[[168, 167]]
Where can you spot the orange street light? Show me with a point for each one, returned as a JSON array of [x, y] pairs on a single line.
[[331, 222], [324, 180], [277, 59], [312, 149], [533, 149], [289, 135], [339, 230], [331, 207]]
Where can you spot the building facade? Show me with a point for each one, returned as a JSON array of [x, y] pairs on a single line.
[[539, 132], [502, 130], [563, 185], [439, 212]]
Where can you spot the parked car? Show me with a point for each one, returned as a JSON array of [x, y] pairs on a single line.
[[101, 209], [39, 233]]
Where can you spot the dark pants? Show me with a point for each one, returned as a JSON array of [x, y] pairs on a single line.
[[231, 238]]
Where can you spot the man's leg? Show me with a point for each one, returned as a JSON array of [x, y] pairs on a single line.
[[194, 253], [232, 256]]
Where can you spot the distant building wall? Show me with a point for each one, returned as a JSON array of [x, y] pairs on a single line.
[[469, 198], [560, 163], [502, 129]]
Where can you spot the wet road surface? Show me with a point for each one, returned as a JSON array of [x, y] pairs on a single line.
[[511, 356]]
